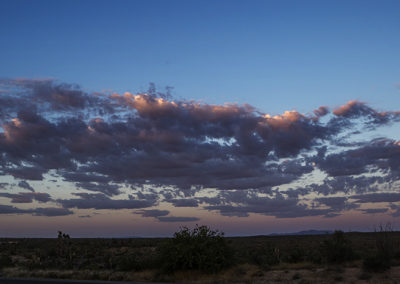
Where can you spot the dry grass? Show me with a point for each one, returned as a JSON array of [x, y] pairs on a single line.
[[102, 259], [107, 275], [245, 273]]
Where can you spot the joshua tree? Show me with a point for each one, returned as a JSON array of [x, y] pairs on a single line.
[[64, 248]]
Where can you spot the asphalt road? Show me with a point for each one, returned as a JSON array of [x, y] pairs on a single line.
[[62, 281]]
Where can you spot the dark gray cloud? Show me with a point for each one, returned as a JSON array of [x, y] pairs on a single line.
[[374, 210], [321, 111], [356, 109], [184, 202], [132, 139], [26, 185], [46, 94], [30, 173], [103, 143], [27, 197], [107, 189], [377, 197], [241, 203], [101, 201], [337, 203], [177, 219], [347, 184], [48, 211], [277, 208], [52, 212], [152, 213], [396, 208], [8, 209], [161, 216], [379, 155], [85, 216]]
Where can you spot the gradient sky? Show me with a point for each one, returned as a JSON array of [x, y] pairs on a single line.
[[262, 116]]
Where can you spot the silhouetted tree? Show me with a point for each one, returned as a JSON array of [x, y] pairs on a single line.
[[338, 249], [64, 250], [201, 248], [381, 259]]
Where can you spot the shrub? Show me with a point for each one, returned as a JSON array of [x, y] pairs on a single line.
[[265, 256], [384, 241], [381, 259], [201, 248], [338, 249], [376, 263], [296, 276], [296, 254], [127, 263], [132, 262], [5, 260], [64, 250]]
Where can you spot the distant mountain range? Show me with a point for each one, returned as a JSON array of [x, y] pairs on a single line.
[[308, 232], [301, 233]]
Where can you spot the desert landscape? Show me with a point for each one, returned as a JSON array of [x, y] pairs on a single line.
[[203, 255], [199, 141]]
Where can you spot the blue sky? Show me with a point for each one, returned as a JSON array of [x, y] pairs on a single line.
[[306, 53], [276, 56]]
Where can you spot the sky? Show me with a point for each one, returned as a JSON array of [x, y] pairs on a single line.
[[134, 118]]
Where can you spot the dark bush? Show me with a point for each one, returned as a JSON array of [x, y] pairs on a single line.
[[296, 254], [5, 260], [381, 259], [133, 262], [384, 241], [338, 249], [376, 263], [200, 249], [265, 256], [314, 255], [127, 263]]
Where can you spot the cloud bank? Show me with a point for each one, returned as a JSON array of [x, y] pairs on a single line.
[[167, 150]]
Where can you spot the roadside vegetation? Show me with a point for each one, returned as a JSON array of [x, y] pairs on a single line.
[[204, 255]]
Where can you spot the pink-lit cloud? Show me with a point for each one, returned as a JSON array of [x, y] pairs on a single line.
[[106, 143]]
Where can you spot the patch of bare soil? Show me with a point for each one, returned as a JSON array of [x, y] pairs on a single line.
[[246, 274]]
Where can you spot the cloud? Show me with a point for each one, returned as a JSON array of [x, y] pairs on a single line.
[[48, 211], [52, 212], [85, 216], [101, 201], [241, 203], [107, 189], [376, 156], [374, 210], [177, 219], [321, 111], [30, 173], [57, 96], [7, 209], [356, 109], [27, 197], [396, 208], [377, 197], [346, 184], [26, 185], [337, 203], [146, 141], [3, 185], [161, 216], [184, 202], [152, 213]]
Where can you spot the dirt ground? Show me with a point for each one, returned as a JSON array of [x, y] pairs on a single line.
[[239, 274]]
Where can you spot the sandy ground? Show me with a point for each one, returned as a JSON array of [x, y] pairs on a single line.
[[240, 274]]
